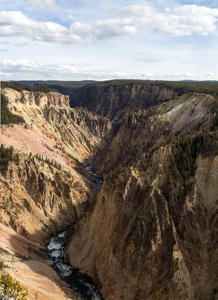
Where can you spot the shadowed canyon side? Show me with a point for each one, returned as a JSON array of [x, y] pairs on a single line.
[[113, 100], [153, 231], [44, 186]]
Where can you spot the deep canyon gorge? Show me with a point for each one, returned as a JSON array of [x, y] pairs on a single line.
[[150, 230]]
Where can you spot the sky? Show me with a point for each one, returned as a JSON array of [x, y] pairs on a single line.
[[108, 39]]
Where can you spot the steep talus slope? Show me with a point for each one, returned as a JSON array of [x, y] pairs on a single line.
[[112, 101], [153, 231]]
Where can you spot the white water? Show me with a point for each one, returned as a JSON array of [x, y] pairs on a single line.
[[75, 279], [98, 177]]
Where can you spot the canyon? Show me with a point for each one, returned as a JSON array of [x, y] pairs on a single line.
[[150, 231]]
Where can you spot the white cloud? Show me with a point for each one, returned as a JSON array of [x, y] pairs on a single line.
[[14, 18], [106, 5], [81, 29], [43, 3], [21, 64], [139, 11], [29, 70], [115, 28], [70, 17], [149, 59], [15, 23], [187, 20], [183, 20], [24, 67], [194, 9]]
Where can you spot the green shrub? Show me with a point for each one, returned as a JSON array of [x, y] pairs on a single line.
[[3, 265], [6, 116], [12, 288], [6, 155], [20, 87], [189, 147], [215, 120], [49, 161]]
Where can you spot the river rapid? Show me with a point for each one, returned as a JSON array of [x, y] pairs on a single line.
[[72, 276]]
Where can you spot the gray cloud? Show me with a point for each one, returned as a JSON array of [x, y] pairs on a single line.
[[114, 28], [43, 3]]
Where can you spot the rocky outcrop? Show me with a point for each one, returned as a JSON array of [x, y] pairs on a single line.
[[152, 233], [42, 99]]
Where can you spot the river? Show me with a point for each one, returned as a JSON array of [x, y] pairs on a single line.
[[73, 277]]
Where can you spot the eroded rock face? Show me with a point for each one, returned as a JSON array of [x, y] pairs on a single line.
[[152, 233], [38, 199]]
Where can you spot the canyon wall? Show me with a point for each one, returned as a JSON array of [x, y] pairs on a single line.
[[77, 132], [48, 182], [38, 199], [152, 233], [112, 101], [44, 186]]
